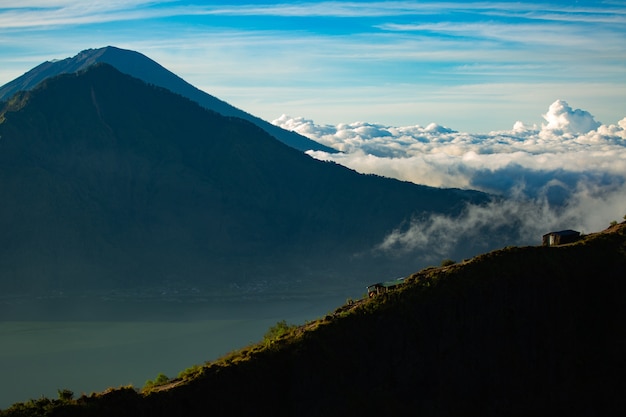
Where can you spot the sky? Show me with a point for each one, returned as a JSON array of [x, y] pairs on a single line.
[[520, 99], [471, 66]]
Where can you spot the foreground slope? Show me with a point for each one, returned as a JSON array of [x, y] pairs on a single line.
[[108, 182], [140, 66], [530, 331]]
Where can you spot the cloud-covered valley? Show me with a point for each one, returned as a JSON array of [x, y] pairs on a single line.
[[569, 172]]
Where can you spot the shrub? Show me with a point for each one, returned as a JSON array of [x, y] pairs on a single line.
[[161, 379], [279, 329], [447, 262], [190, 372], [65, 394]]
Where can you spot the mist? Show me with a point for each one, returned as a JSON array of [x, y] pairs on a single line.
[[567, 173], [518, 220]]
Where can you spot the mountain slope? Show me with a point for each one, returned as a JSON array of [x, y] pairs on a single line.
[[109, 182], [516, 332], [142, 67]]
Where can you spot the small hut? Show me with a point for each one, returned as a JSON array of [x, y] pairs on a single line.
[[383, 287], [375, 289], [560, 238]]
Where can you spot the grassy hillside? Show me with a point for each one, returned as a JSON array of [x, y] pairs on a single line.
[[522, 331]]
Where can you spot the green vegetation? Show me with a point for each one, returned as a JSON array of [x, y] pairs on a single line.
[[190, 372], [40, 407], [278, 331], [161, 379], [65, 394], [447, 262]]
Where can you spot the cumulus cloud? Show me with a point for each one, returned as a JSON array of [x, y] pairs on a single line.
[[563, 120], [570, 172], [571, 145]]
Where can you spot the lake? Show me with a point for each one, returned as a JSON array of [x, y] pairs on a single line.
[[87, 345]]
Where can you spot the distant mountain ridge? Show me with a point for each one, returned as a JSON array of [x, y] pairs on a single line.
[[108, 182], [139, 66]]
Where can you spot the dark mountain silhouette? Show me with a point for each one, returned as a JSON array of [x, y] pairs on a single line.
[[108, 182], [139, 66], [522, 331]]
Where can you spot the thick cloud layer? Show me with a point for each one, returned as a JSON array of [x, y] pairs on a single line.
[[570, 172]]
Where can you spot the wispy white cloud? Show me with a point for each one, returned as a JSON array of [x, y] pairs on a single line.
[[525, 220], [463, 64], [41, 14], [32, 13], [605, 13], [74, 11], [552, 34]]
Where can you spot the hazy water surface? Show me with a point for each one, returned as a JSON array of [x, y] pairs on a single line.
[[38, 357]]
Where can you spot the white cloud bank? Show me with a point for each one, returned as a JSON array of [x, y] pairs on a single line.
[[570, 172]]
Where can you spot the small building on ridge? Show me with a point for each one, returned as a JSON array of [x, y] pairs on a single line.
[[560, 238]]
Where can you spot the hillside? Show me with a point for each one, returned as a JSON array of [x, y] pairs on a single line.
[[140, 66], [522, 331], [108, 182]]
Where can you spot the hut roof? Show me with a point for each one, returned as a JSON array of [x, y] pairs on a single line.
[[567, 232]]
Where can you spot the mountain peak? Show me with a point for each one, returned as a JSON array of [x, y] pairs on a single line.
[[140, 66], [48, 69]]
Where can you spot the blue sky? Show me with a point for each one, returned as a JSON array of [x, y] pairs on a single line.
[[471, 66]]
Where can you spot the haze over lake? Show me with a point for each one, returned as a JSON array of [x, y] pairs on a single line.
[[134, 343]]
